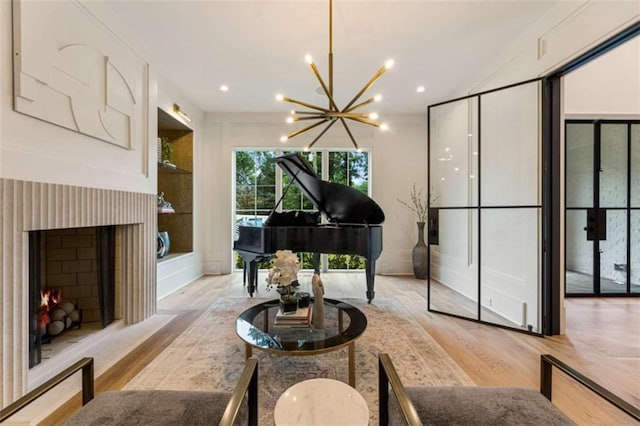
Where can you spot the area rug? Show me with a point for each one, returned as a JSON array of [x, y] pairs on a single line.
[[209, 356]]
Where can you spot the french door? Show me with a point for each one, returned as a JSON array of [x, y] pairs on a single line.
[[602, 207], [485, 223]]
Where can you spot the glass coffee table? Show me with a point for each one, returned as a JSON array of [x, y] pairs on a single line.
[[343, 324]]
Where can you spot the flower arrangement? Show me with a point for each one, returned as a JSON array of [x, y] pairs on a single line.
[[283, 272], [418, 204]]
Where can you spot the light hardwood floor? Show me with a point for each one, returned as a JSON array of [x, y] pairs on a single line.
[[602, 341]]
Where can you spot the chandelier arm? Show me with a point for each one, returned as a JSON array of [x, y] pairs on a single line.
[[331, 48], [297, 132], [366, 87], [360, 105], [344, 123], [311, 117], [308, 113], [327, 92], [338, 114], [364, 121], [304, 104], [331, 123]]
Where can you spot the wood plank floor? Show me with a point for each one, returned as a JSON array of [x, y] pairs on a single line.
[[602, 341]]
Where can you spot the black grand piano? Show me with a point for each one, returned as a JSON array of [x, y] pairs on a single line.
[[354, 225]]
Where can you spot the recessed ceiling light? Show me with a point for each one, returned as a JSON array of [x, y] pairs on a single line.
[[420, 89], [224, 88]]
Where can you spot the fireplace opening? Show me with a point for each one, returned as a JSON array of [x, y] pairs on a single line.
[[72, 285]]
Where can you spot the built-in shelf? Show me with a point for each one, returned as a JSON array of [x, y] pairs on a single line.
[[177, 185]]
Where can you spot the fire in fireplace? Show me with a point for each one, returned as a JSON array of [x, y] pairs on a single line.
[[56, 316], [79, 262]]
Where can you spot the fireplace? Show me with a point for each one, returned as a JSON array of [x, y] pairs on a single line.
[[31, 207], [72, 281]]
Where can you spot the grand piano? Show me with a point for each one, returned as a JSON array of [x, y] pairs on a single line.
[[354, 225]]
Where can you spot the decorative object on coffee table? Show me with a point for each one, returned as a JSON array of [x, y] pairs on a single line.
[[318, 302], [284, 275], [419, 253]]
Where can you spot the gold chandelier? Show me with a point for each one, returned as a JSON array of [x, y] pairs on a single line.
[[332, 114]]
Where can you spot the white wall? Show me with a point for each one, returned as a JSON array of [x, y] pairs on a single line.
[[35, 150], [607, 87], [398, 160], [566, 31]]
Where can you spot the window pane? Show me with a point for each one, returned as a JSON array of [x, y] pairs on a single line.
[[635, 251], [635, 165], [453, 157], [454, 264], [510, 146], [350, 168], [579, 141], [613, 165], [510, 279], [294, 199], [613, 254]]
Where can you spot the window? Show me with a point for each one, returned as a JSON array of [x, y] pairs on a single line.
[[259, 184]]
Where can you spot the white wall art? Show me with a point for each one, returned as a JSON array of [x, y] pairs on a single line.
[[79, 75]]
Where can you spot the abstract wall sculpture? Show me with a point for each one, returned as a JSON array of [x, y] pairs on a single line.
[[78, 75]]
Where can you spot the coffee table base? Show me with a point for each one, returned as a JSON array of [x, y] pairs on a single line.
[[351, 350]]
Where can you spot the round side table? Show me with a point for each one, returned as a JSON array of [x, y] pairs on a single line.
[[321, 402]]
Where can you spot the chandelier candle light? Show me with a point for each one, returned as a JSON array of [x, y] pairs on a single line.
[[330, 115]]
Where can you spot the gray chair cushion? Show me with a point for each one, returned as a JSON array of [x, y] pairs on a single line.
[[155, 407], [469, 405]]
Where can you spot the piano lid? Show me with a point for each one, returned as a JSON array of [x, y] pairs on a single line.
[[339, 203]]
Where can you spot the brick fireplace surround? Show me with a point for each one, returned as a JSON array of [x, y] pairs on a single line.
[[30, 206]]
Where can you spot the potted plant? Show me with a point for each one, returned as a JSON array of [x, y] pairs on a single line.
[[284, 275]]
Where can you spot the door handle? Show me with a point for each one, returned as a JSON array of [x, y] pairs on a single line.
[[432, 235]]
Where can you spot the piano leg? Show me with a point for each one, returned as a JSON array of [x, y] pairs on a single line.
[[253, 277], [316, 263], [370, 271]]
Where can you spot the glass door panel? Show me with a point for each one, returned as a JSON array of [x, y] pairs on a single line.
[[510, 143], [510, 277], [579, 254], [453, 154], [501, 129], [454, 264], [602, 189], [579, 160], [635, 251], [613, 254], [613, 165], [635, 166]]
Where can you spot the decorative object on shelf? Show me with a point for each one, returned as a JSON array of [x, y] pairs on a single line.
[[420, 250], [160, 150], [318, 302], [164, 206], [332, 114], [166, 150], [284, 275], [163, 244]]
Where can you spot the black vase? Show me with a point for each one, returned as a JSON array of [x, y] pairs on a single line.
[[419, 254]]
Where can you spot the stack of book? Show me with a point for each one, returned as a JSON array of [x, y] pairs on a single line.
[[300, 318]]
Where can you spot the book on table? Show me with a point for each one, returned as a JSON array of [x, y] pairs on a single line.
[[300, 318]]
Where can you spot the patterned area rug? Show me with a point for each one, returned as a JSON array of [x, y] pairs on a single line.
[[209, 355]]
